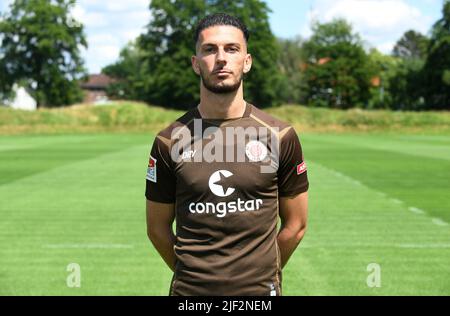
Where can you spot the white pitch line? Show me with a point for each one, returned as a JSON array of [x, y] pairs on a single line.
[[382, 194], [365, 245], [416, 210], [347, 178], [439, 222], [88, 246], [424, 246], [397, 201], [436, 221]]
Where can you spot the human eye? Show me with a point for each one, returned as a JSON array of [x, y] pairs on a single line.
[[208, 49], [233, 49]]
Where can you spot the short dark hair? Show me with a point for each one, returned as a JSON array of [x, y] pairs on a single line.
[[220, 19]]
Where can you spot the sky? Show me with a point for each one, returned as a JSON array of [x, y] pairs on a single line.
[[110, 24]]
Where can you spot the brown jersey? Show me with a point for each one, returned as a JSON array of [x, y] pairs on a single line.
[[225, 188]]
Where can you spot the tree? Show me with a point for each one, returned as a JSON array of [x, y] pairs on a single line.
[[386, 68], [338, 72], [168, 45], [436, 72], [406, 85], [130, 72], [398, 82], [40, 45], [290, 64], [411, 45]]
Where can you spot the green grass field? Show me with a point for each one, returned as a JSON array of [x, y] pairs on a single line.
[[128, 116], [374, 198]]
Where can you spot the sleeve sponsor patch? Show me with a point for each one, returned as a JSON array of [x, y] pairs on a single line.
[[151, 171], [301, 168]]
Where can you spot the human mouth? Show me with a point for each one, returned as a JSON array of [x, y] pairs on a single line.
[[222, 72]]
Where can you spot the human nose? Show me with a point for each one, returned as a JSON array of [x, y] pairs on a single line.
[[220, 57]]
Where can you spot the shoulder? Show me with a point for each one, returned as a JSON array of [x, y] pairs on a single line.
[[282, 128], [167, 134]]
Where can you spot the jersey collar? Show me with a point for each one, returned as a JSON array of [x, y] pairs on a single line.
[[247, 112]]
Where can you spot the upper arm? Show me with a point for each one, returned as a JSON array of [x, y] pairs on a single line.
[[159, 215], [292, 183], [292, 174], [294, 211], [160, 187], [160, 180]]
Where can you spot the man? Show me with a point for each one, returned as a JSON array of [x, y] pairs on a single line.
[[226, 193]]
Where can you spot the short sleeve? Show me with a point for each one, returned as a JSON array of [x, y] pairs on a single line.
[[160, 179], [292, 175]]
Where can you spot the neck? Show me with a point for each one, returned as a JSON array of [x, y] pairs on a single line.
[[221, 106]]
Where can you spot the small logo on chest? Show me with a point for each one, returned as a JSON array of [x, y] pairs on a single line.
[[189, 154]]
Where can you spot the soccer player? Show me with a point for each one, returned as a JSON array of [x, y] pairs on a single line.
[[225, 172]]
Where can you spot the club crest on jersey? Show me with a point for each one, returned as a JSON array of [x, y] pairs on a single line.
[[256, 151], [151, 171], [301, 168]]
